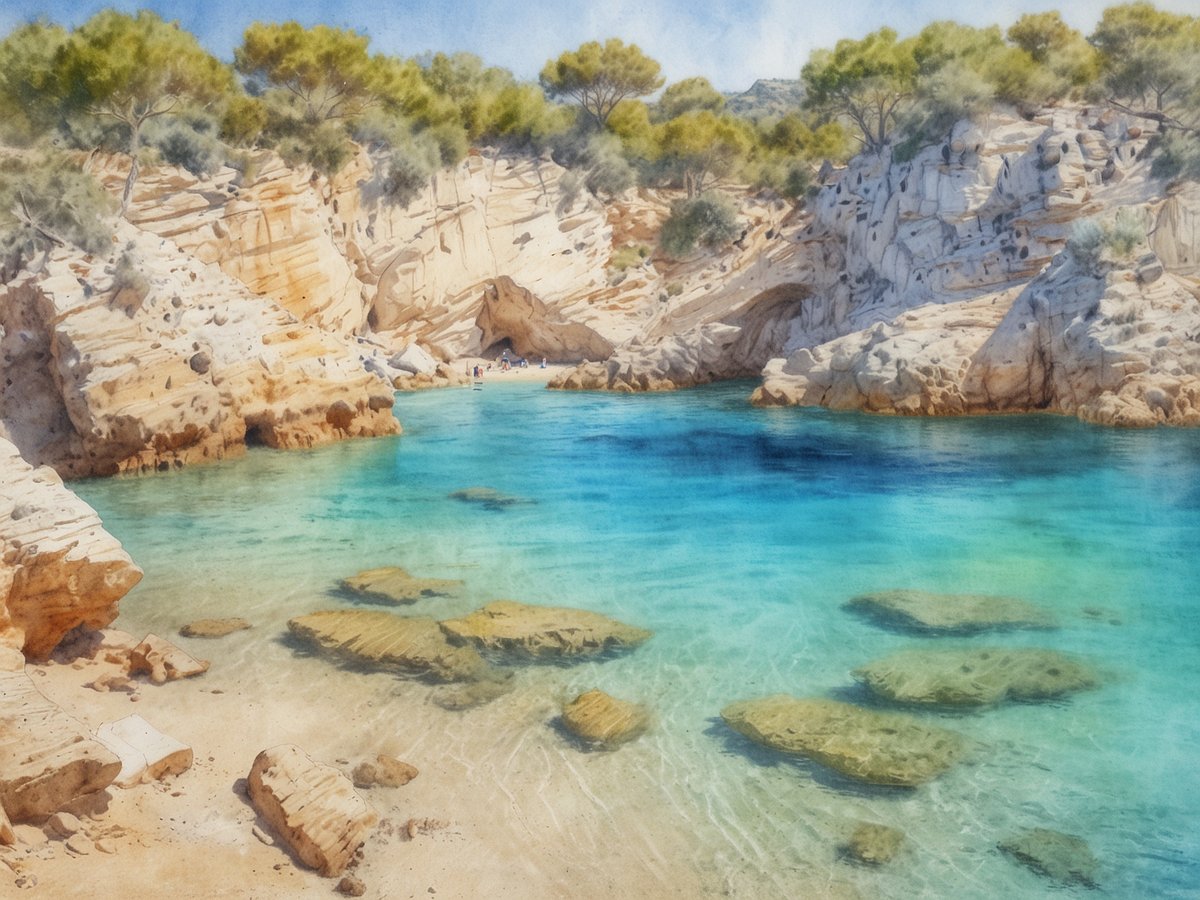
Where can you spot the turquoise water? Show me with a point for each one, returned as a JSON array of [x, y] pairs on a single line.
[[736, 535]]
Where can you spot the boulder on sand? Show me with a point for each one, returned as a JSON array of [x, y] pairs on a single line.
[[603, 720], [163, 661], [923, 612], [312, 807], [975, 677], [413, 645], [869, 746], [146, 753], [542, 632]]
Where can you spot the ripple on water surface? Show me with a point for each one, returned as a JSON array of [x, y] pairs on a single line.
[[737, 535]]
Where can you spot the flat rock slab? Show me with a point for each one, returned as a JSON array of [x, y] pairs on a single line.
[[975, 677], [312, 807], [1063, 857], [146, 753], [600, 719], [163, 661], [213, 628], [412, 645], [47, 758], [488, 498], [923, 612], [543, 632], [391, 584], [869, 746]]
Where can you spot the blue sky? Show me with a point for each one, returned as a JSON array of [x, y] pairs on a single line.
[[729, 43]]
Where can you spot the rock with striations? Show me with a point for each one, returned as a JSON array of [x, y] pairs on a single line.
[[975, 676], [509, 312], [146, 753], [312, 807], [543, 632], [213, 628], [603, 720], [59, 568], [410, 645], [47, 758], [163, 661], [392, 584], [1064, 858], [868, 746], [924, 612]]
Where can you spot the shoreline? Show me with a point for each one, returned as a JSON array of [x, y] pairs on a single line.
[[533, 373]]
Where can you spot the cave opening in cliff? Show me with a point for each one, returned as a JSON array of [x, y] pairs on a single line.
[[497, 348], [254, 436]]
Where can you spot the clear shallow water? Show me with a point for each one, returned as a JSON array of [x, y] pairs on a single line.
[[736, 535]]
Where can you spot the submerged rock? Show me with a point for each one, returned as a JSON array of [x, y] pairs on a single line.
[[313, 807], [600, 719], [543, 632], [929, 613], [213, 628], [415, 645], [471, 694], [392, 584], [383, 771], [488, 498], [873, 844], [975, 677], [1062, 857], [869, 746]]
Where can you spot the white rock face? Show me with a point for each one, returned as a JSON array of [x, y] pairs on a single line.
[[146, 753], [59, 568], [952, 294]]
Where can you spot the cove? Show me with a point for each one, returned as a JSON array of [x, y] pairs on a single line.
[[737, 536]]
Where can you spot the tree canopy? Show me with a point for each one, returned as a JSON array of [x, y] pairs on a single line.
[[599, 76]]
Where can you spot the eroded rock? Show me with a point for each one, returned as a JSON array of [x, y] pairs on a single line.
[[975, 677], [383, 771], [603, 720], [392, 584], [312, 807], [873, 844], [163, 661], [412, 645], [869, 746], [146, 753], [543, 632], [924, 612]]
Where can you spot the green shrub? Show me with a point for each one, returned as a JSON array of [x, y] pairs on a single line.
[[1125, 233], [128, 277], [190, 143], [1177, 157], [709, 220], [1086, 244], [629, 256], [1090, 241]]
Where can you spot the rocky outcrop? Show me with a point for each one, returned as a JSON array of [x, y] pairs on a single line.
[[392, 584], [975, 677], [47, 758], [158, 360], [604, 721], [410, 645], [59, 568], [510, 314], [542, 632], [312, 807], [925, 612], [862, 744]]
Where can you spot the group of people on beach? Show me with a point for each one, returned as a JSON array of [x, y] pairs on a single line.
[[505, 365]]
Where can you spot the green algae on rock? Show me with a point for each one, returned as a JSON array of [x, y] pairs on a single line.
[[868, 746], [925, 612], [1064, 858], [413, 645], [873, 844], [975, 677], [392, 584], [598, 718], [542, 632]]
